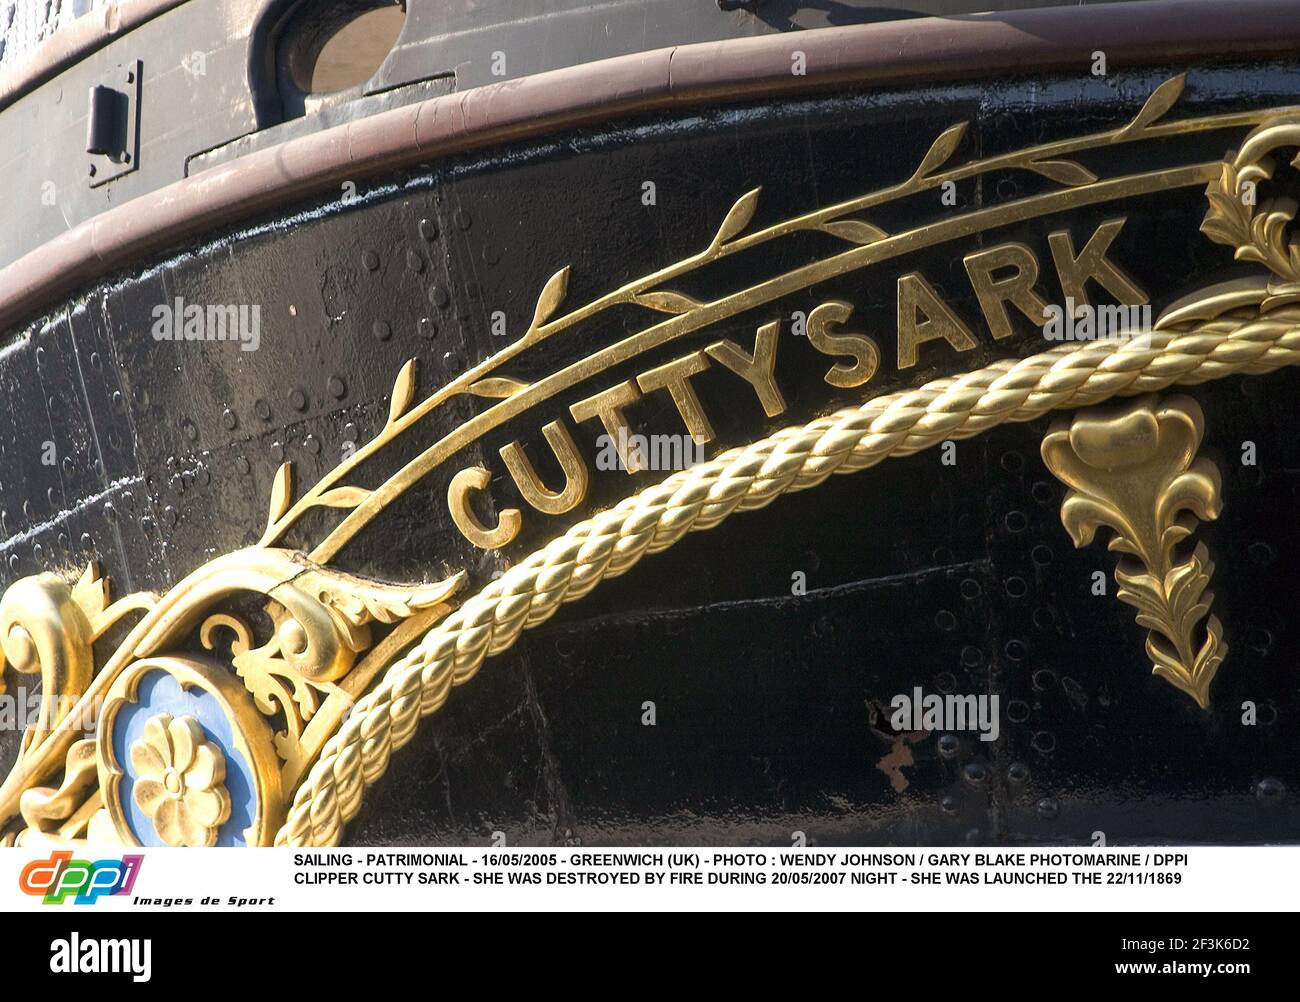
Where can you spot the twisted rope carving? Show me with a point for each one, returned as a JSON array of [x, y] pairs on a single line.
[[743, 479]]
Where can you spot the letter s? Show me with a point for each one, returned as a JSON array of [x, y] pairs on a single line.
[[863, 350]]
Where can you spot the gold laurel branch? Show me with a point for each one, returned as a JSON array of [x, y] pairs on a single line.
[[797, 458]]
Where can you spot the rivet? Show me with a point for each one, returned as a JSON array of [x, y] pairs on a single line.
[[242, 465], [298, 399], [414, 261], [370, 260], [277, 452], [381, 330], [463, 219], [312, 444], [263, 410], [975, 773], [439, 296], [428, 229], [1269, 789], [337, 387], [1261, 553], [229, 420], [428, 329]]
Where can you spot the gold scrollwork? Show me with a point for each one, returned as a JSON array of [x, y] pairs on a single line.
[[1257, 228], [319, 657], [1133, 468]]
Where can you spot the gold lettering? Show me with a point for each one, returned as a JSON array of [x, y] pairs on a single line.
[[1091, 263], [476, 478], [940, 323], [1016, 288], [757, 369], [530, 484], [608, 406], [865, 354], [675, 377]]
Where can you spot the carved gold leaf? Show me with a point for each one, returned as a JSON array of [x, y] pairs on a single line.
[[1133, 469]]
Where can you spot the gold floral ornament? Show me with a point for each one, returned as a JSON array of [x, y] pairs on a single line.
[[1133, 469], [179, 783], [1258, 228]]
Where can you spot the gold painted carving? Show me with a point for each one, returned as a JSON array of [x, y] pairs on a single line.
[[743, 479], [318, 695], [862, 244], [1133, 468], [181, 788], [319, 653]]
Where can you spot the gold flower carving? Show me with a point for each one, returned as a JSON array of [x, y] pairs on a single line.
[[180, 781], [1133, 469]]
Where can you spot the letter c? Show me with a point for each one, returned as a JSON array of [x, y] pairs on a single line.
[[476, 478]]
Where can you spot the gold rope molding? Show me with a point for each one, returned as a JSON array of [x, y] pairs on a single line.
[[1206, 342]]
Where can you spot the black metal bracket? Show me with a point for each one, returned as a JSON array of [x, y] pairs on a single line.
[[113, 125]]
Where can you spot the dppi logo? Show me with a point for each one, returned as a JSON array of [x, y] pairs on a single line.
[[61, 875]]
